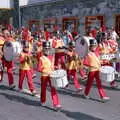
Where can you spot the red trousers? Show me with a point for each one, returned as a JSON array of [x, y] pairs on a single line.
[[45, 80], [22, 75], [9, 66], [82, 73], [75, 77], [60, 59], [91, 76]]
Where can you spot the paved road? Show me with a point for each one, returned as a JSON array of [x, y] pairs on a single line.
[[19, 106]]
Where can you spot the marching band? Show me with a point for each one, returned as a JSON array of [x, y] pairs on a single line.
[[50, 52]]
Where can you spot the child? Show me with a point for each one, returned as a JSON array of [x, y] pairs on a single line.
[[73, 65], [46, 66], [25, 68], [106, 47], [94, 65]]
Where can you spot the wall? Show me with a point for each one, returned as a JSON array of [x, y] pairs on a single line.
[[6, 4], [79, 8], [31, 2]]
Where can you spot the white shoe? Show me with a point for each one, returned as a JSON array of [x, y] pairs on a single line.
[[20, 90], [43, 104], [86, 96], [104, 99], [33, 93], [80, 89], [57, 107], [37, 96]]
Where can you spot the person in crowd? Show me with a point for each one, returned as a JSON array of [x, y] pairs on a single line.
[[59, 52], [25, 68], [93, 62], [105, 48], [114, 35], [46, 67], [9, 65], [73, 65]]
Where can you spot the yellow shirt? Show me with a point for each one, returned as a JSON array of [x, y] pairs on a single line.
[[104, 49], [25, 65], [73, 63], [59, 43], [1, 42], [93, 61], [46, 66]]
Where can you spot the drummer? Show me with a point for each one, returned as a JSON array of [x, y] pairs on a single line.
[[59, 52], [8, 64], [46, 66], [73, 65], [105, 48], [92, 61]]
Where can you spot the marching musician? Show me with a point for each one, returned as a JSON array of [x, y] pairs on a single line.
[[93, 62], [59, 52], [73, 64], [25, 68], [46, 66], [106, 47], [8, 64]]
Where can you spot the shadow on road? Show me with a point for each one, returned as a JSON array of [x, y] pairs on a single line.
[[21, 99], [79, 115]]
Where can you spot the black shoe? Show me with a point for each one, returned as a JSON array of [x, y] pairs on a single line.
[[34, 76], [12, 86]]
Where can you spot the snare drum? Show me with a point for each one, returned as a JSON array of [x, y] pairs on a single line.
[[11, 50], [107, 73], [59, 78], [107, 56]]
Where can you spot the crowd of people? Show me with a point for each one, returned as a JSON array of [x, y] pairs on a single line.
[[51, 51]]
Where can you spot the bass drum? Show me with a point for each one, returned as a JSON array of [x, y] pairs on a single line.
[[11, 50], [82, 46]]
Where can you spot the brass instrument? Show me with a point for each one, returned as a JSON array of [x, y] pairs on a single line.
[[28, 59]]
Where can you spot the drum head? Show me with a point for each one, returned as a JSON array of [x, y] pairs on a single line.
[[18, 47], [107, 69], [11, 49], [81, 47], [8, 51]]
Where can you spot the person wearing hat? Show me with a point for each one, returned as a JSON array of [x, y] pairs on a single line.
[[25, 68], [73, 65], [93, 63], [46, 67], [9, 65], [59, 52], [105, 47]]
